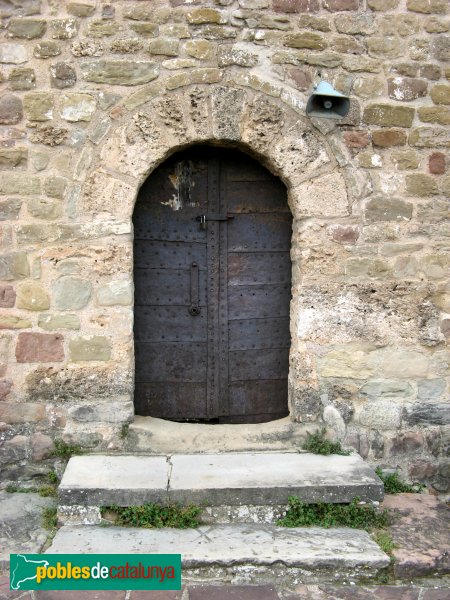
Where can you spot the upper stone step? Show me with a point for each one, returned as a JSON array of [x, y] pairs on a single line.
[[234, 479], [254, 553]]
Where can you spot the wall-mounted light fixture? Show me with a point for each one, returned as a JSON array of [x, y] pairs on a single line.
[[326, 102]]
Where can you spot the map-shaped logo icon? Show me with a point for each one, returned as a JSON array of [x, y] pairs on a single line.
[[25, 570]]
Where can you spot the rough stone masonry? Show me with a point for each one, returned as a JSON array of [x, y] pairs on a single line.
[[95, 95]]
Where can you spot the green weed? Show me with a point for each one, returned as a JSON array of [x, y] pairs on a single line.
[[154, 515], [318, 444], [50, 518], [393, 485], [354, 515], [43, 490], [66, 451], [384, 540]]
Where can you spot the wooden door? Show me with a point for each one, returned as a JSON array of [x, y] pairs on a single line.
[[212, 290]]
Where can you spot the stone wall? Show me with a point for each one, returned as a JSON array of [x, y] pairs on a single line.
[[96, 95]]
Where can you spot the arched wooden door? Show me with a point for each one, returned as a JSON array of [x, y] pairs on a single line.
[[212, 290]]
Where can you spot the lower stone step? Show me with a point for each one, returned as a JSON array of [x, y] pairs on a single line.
[[251, 553], [231, 479]]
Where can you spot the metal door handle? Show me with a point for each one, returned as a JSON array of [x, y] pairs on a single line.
[[194, 308], [202, 219]]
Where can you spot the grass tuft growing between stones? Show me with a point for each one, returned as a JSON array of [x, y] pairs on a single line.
[[318, 444], [44, 490], [384, 540], [393, 485], [66, 451], [50, 518], [151, 515], [354, 515]]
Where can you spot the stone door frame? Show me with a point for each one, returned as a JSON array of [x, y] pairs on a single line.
[[269, 124]]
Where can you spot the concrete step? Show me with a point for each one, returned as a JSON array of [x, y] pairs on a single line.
[[216, 480], [251, 553]]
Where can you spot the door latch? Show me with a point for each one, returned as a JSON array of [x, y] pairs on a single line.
[[202, 219], [194, 308]]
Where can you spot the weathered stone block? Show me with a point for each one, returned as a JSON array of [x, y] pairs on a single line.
[[434, 114], [386, 388], [307, 40], [14, 266], [351, 362], [7, 297], [49, 135], [254, 4], [440, 94], [114, 412], [388, 115], [97, 348], [41, 446], [15, 54], [381, 415], [386, 138], [428, 414], [358, 24], [39, 347], [344, 234], [406, 88], [422, 470], [80, 9], [77, 107], [404, 364], [429, 137], [62, 76], [27, 28], [309, 21], [22, 79], [101, 28], [201, 49], [47, 49], [430, 389], [295, 6], [44, 208], [435, 266], [387, 209], [199, 16], [419, 184], [64, 29], [427, 6], [38, 106], [32, 296], [11, 111], [232, 55], [326, 197], [115, 293], [405, 443], [432, 72], [366, 267], [370, 160], [407, 159], [19, 183], [55, 186], [11, 158], [51, 322], [21, 412], [71, 293], [164, 47], [440, 48], [13, 322], [385, 47], [119, 72]]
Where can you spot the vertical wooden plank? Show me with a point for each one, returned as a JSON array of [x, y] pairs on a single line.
[[223, 295], [213, 262]]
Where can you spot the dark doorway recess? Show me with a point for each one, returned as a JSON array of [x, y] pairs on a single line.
[[212, 276]]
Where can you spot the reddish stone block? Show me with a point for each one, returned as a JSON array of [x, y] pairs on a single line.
[[5, 388], [445, 327], [421, 470], [233, 592], [39, 347], [356, 139], [344, 234], [339, 5], [441, 594], [295, 6], [406, 89], [404, 443], [389, 137], [302, 78], [79, 595], [436, 163], [7, 296], [155, 595]]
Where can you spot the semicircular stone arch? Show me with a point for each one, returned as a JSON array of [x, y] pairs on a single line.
[[150, 127]]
